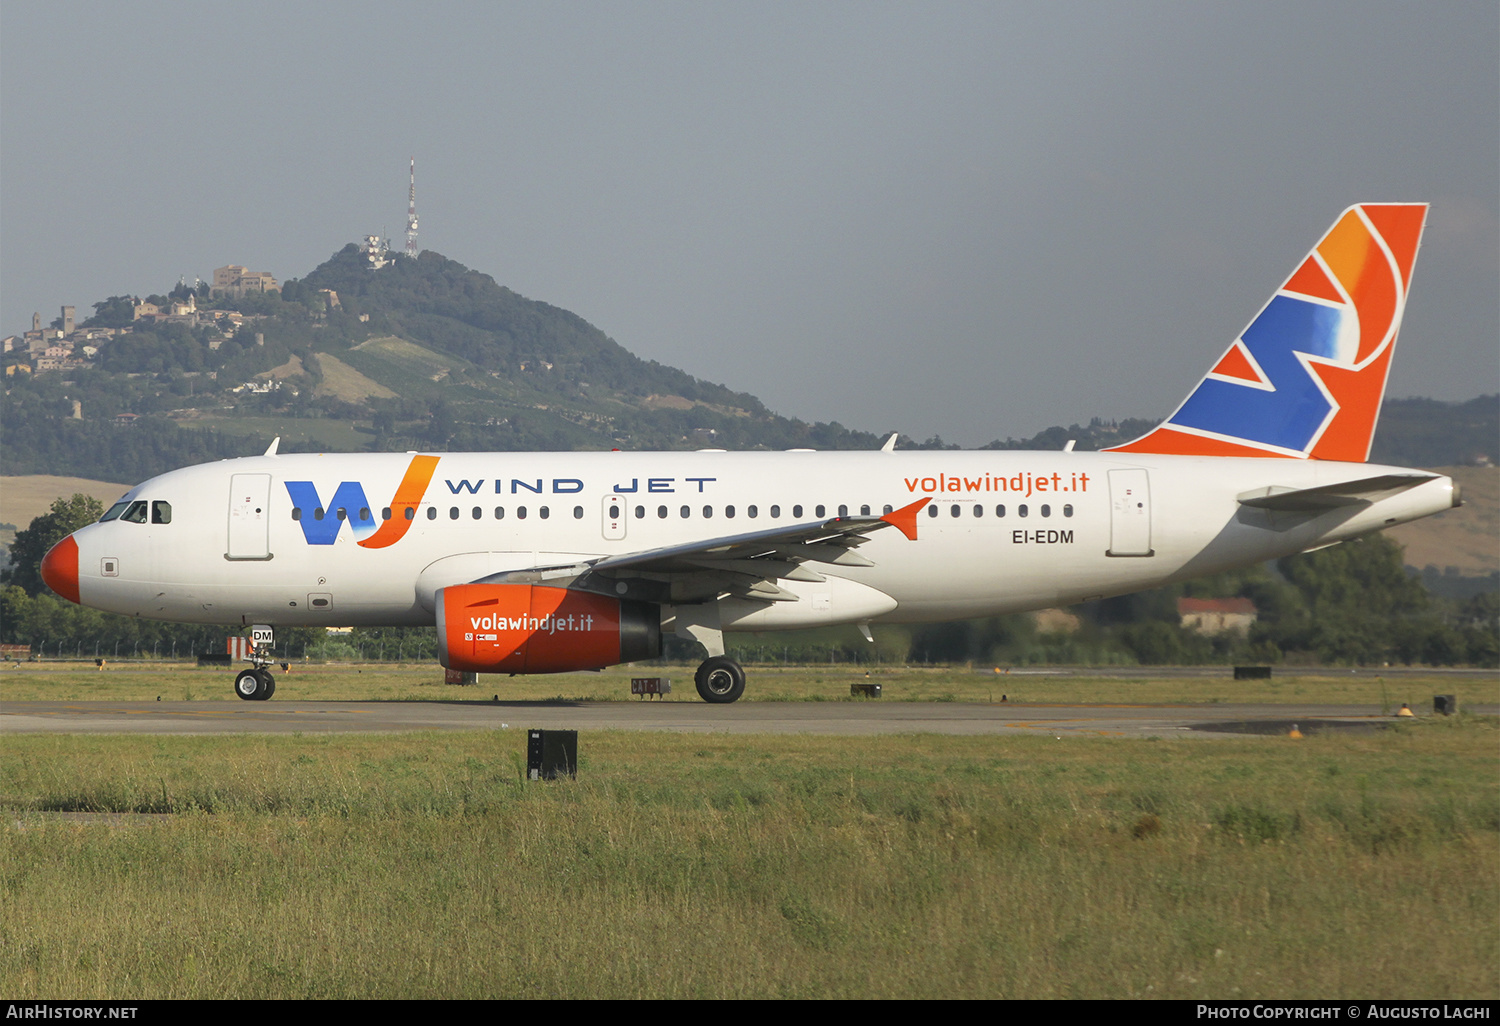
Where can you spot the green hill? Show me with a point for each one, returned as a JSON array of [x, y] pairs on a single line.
[[428, 354]]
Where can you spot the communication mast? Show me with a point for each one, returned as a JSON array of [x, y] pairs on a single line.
[[411, 214]]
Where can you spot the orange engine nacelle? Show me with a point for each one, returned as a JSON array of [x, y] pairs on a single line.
[[526, 628]]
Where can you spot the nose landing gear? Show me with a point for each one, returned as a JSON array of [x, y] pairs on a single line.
[[255, 684]]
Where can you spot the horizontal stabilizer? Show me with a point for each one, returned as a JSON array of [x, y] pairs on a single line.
[[1324, 497]]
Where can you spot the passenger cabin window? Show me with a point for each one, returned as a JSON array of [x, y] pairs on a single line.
[[729, 512], [296, 512], [843, 511], [477, 513], [821, 511], [752, 512], [775, 512], [1046, 510], [1000, 510], [499, 512], [1068, 510], [932, 509], [161, 512], [385, 514], [1021, 510], [640, 512], [431, 512], [411, 513], [578, 512], [797, 512], [864, 510], [544, 512], [452, 512]]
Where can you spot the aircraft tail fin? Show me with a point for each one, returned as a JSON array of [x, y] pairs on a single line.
[[1305, 380]]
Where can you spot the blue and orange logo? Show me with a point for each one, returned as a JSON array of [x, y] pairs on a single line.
[[1306, 378], [350, 505]]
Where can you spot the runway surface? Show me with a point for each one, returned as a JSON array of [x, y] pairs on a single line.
[[846, 718]]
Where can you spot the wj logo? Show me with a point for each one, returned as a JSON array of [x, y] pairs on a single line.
[[350, 505]]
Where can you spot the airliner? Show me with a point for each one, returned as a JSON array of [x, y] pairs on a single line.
[[559, 561]]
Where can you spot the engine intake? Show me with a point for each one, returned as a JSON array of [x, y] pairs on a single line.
[[527, 628]]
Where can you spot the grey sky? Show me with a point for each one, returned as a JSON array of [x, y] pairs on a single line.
[[976, 220]]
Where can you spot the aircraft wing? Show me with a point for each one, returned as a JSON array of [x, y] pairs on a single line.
[[1326, 497], [741, 564]]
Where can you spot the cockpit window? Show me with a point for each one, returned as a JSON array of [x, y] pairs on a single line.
[[135, 513], [113, 513], [161, 512]]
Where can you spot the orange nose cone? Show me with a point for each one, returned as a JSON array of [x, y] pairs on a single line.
[[60, 568]]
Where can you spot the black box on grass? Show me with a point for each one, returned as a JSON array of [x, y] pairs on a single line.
[[1252, 673], [551, 754], [865, 688], [1445, 705]]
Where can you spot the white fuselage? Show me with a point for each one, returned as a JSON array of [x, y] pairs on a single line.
[[1074, 526]]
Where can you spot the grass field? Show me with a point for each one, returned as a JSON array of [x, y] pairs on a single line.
[[421, 865], [343, 381], [144, 681], [29, 496], [1468, 537]]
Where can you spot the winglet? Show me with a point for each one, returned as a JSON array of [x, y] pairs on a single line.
[[271, 449], [905, 518], [1305, 380], [890, 443]]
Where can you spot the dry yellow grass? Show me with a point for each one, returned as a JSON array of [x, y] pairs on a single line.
[[1467, 537], [24, 498], [344, 382]]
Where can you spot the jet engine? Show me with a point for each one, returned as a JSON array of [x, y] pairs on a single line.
[[527, 628]]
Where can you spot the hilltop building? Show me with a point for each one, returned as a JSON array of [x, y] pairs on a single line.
[[235, 281]]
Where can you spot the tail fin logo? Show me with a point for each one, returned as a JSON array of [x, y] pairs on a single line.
[[349, 504], [1306, 378]]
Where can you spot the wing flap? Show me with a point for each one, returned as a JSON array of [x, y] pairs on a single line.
[[746, 564]]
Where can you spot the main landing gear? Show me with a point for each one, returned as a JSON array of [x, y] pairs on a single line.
[[255, 684], [720, 680]]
